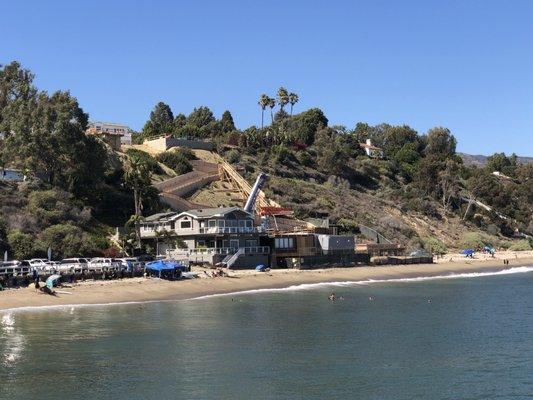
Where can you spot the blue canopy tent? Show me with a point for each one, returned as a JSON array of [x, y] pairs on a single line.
[[468, 253], [170, 267]]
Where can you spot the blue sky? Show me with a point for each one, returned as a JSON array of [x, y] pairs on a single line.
[[466, 65]]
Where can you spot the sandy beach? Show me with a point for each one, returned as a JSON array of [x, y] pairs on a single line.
[[150, 289]]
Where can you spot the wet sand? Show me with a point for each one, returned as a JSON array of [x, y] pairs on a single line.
[[150, 289]]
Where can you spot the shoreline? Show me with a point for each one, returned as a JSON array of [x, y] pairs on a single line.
[[142, 290]]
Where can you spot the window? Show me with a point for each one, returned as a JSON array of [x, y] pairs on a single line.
[[284, 243], [220, 223], [212, 223], [172, 225], [249, 223], [242, 223], [185, 224]]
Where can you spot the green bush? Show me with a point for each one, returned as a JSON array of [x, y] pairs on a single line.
[[233, 156], [69, 241], [177, 161], [21, 244], [475, 240], [146, 158], [521, 245], [435, 246]]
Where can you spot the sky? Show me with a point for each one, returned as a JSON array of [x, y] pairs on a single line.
[[466, 65]]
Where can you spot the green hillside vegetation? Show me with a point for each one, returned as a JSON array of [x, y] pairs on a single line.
[[420, 194]]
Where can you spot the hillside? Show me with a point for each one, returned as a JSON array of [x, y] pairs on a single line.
[[78, 191], [480, 160]]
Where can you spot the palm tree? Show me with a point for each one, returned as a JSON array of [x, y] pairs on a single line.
[[263, 102], [293, 99], [271, 104], [283, 97], [137, 177]]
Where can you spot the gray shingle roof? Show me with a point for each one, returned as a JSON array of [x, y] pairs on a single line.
[[212, 212]]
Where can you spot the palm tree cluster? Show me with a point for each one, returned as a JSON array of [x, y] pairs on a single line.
[[283, 97]]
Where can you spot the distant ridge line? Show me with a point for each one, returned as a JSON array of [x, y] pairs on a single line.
[[478, 159]]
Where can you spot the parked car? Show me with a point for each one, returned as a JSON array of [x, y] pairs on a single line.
[[75, 265], [129, 263], [15, 268], [39, 264], [100, 264]]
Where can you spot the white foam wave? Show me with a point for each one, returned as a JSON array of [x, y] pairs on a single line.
[[305, 286], [310, 286]]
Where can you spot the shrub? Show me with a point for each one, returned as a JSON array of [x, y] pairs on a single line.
[[55, 206], [475, 240], [146, 158], [233, 156], [435, 246], [68, 241], [521, 245], [305, 158], [21, 244], [178, 161]]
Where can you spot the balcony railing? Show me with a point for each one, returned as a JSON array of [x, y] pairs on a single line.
[[231, 250], [240, 229]]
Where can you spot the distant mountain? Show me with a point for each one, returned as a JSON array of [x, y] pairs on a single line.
[[472, 159]]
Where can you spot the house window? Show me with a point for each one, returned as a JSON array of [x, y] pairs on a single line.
[[201, 243], [185, 224], [284, 243], [172, 225], [242, 223], [212, 223], [221, 223], [249, 223]]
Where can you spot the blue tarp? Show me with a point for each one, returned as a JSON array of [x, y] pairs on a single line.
[[260, 268], [467, 252], [165, 266]]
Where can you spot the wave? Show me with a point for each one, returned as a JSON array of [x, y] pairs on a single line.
[[311, 286], [305, 286]]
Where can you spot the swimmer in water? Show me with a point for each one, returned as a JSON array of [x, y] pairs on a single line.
[[429, 300], [371, 298], [332, 297]]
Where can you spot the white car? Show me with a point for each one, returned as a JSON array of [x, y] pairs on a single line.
[[73, 265], [15, 268], [128, 262], [39, 264], [104, 264]]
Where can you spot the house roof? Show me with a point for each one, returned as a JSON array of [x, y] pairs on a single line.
[[211, 212], [369, 146], [196, 213], [159, 216]]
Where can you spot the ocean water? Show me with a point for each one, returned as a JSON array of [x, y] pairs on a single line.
[[470, 337]]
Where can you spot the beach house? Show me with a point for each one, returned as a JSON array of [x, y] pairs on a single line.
[[227, 236]]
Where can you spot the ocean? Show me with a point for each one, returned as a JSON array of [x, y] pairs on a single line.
[[466, 337]]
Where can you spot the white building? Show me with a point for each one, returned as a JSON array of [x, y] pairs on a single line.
[[110, 128], [371, 150]]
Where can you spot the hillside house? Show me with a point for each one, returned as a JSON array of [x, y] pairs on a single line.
[[372, 151], [210, 235]]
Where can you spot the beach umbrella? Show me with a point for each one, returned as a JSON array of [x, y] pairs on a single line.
[[51, 279]]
